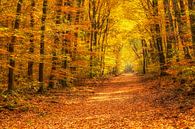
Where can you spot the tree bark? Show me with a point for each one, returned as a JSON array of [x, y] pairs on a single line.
[[11, 47], [191, 6], [170, 35], [182, 25], [31, 50], [158, 39], [42, 46], [144, 52], [56, 42]]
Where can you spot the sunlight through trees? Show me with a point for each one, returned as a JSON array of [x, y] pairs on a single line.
[[52, 43]]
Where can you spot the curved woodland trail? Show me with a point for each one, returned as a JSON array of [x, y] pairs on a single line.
[[125, 102]]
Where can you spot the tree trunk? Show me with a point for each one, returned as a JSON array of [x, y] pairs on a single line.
[[160, 50], [11, 47], [56, 42], [182, 25], [144, 45], [170, 36], [191, 6], [42, 47], [92, 14], [66, 45], [158, 39], [103, 49], [31, 50]]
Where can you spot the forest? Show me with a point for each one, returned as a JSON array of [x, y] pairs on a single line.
[[87, 64]]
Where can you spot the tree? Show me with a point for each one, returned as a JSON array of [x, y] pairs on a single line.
[[191, 6], [59, 4], [180, 14], [31, 49], [11, 47], [170, 35], [42, 46], [158, 38], [144, 47], [99, 12]]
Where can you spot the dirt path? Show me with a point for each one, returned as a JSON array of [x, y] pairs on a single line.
[[123, 103]]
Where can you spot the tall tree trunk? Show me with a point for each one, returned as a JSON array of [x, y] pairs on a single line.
[[144, 45], [191, 6], [170, 36], [91, 54], [95, 7], [42, 46], [103, 48], [92, 14], [31, 50], [77, 16], [56, 42], [185, 30], [158, 39], [182, 25], [160, 49], [11, 47], [66, 45]]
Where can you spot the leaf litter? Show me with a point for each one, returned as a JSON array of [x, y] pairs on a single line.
[[125, 102]]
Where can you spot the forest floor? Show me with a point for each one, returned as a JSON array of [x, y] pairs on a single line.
[[124, 102]]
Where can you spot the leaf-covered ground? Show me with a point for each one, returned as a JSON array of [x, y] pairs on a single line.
[[124, 102]]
